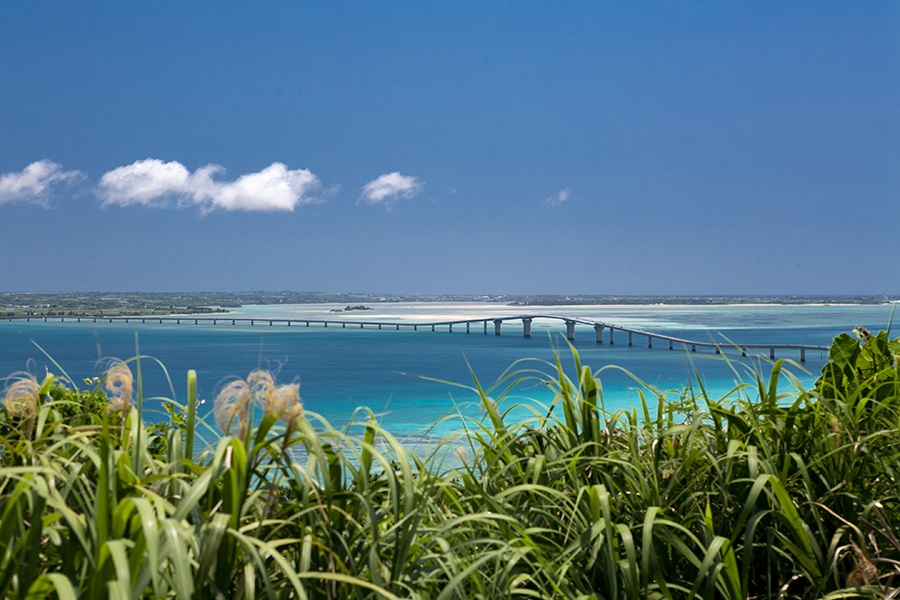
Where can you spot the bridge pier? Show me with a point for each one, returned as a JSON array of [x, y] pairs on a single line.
[[527, 322]]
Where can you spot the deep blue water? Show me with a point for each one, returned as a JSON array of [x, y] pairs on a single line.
[[342, 369]]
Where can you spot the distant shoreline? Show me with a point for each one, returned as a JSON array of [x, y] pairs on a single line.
[[211, 304], [735, 304]]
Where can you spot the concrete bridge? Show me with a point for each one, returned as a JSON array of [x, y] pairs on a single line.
[[599, 327]]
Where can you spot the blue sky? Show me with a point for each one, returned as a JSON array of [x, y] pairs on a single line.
[[451, 147]]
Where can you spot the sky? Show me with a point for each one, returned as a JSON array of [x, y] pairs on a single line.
[[451, 147]]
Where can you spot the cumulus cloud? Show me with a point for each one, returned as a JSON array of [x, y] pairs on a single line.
[[390, 187], [148, 182], [35, 183], [558, 198], [152, 182]]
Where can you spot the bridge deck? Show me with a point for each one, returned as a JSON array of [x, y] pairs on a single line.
[[598, 326]]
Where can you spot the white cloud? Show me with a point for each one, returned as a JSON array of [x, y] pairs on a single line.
[[149, 182], [558, 198], [389, 188], [152, 182], [35, 183]]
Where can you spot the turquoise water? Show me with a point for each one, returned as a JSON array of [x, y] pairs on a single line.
[[343, 369]]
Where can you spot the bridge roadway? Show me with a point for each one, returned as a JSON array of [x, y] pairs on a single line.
[[599, 327]]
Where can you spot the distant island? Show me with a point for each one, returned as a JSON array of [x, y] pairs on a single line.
[[352, 308], [167, 303]]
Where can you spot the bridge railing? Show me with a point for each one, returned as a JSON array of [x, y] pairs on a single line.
[[526, 319]]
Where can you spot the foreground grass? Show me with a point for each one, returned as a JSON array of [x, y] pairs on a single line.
[[762, 494]]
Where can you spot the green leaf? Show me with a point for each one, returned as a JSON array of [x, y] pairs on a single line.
[[45, 585]]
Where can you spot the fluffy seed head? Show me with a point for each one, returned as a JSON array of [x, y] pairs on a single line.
[[287, 403], [493, 404], [262, 388], [231, 406], [21, 397], [119, 384]]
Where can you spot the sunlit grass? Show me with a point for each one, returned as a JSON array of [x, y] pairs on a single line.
[[772, 491]]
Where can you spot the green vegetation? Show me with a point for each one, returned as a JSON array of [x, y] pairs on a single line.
[[766, 493], [164, 303], [349, 308]]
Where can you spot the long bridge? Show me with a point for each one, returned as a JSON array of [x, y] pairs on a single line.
[[599, 328]]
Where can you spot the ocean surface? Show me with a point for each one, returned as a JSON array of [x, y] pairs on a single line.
[[393, 373]]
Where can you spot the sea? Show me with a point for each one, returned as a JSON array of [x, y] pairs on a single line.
[[421, 383]]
